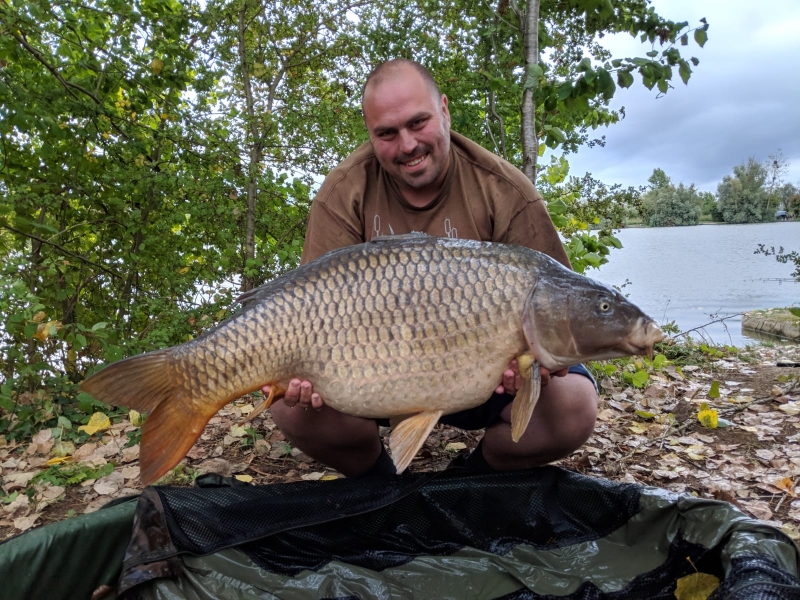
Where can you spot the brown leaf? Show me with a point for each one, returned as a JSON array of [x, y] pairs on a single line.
[[84, 451]]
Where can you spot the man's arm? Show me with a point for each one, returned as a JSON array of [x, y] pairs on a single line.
[[532, 227]]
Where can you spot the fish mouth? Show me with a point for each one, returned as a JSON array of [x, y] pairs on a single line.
[[643, 337]]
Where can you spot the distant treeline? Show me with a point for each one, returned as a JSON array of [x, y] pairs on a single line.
[[755, 193]]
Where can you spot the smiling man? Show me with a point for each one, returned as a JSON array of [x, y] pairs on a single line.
[[415, 174]]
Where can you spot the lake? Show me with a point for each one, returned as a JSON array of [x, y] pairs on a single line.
[[695, 275]]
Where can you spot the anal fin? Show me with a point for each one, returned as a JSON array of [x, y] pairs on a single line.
[[407, 438], [526, 398], [275, 392]]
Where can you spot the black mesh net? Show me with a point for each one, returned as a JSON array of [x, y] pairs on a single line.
[[544, 508], [380, 523]]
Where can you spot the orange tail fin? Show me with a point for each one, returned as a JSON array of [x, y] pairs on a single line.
[[148, 383]]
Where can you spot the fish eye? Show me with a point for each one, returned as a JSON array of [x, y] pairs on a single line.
[[604, 305]]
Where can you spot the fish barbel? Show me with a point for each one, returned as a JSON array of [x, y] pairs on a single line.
[[409, 327]]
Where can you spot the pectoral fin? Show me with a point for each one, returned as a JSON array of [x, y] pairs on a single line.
[[275, 392], [407, 438], [526, 398]]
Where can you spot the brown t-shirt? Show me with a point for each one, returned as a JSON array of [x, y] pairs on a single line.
[[483, 198]]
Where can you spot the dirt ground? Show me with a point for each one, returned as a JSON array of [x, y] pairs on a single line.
[[650, 435]]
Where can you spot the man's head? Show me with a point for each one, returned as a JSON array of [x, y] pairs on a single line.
[[408, 124]]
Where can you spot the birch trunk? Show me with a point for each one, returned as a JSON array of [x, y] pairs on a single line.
[[530, 143]]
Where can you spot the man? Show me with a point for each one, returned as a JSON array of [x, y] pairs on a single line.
[[414, 174]]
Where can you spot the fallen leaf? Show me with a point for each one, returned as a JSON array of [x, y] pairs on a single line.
[[105, 487], [455, 446], [247, 409], [759, 509], [63, 449], [639, 428], [58, 460], [130, 472], [98, 422], [790, 408], [238, 431], [713, 391], [42, 436], [25, 523], [130, 454], [697, 586], [84, 452], [135, 418], [787, 485], [328, 477], [245, 478], [765, 454], [52, 492]]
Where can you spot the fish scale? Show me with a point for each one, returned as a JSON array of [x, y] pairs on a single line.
[[407, 325]]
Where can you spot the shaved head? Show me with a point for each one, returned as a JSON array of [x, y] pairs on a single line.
[[397, 68]]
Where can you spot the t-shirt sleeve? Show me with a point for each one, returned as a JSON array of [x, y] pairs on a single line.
[[532, 227], [333, 223]]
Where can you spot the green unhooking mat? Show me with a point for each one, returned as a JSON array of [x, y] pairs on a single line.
[[541, 533]]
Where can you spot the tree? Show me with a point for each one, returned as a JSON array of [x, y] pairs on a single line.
[[674, 206], [742, 197]]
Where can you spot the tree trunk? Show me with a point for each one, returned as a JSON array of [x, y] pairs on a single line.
[[248, 281], [530, 144]]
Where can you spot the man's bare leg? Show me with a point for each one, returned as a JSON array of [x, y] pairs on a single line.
[[563, 420]]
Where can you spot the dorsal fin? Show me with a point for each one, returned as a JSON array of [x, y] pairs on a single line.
[[400, 237]]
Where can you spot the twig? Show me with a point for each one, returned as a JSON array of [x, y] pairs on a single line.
[[707, 324], [741, 407]]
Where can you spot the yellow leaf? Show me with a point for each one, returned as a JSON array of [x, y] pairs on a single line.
[[787, 485], [328, 477], [638, 428], [57, 460], [238, 431], [247, 409], [156, 66], [183, 271], [697, 586], [708, 418], [135, 418], [98, 422], [245, 478], [39, 316], [45, 330]]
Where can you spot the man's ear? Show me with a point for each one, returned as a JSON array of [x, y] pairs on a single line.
[[445, 110]]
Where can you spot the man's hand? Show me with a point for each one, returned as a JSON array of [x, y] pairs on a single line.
[[300, 394], [512, 380]]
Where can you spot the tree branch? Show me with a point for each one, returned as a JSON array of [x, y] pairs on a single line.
[[61, 248]]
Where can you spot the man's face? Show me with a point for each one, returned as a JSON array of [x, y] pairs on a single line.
[[409, 129]]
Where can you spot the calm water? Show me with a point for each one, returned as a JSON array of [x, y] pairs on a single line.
[[688, 274]]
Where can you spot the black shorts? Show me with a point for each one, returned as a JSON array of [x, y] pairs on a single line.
[[487, 413]]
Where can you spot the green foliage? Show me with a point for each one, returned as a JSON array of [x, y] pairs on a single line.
[[670, 206], [742, 197], [586, 212], [66, 474]]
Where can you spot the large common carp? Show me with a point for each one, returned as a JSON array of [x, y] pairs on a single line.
[[410, 327]]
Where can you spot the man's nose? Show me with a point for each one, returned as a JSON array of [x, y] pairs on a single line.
[[407, 142]]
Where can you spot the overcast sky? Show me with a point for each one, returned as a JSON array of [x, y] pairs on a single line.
[[742, 100]]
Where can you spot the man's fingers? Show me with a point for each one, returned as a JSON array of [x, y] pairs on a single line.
[[316, 401], [510, 381], [292, 394]]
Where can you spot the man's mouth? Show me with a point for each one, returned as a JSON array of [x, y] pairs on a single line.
[[415, 161]]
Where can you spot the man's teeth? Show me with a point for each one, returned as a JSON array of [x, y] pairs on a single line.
[[415, 162]]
